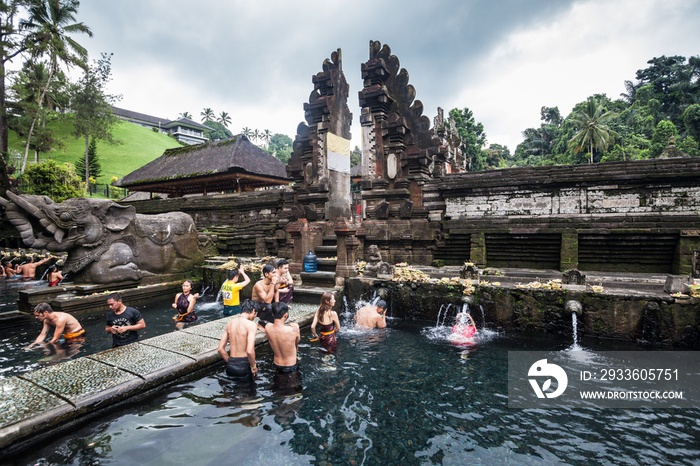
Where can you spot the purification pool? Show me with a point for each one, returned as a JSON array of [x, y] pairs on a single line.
[[401, 396]]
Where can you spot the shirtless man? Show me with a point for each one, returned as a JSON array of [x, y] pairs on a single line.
[[28, 270], [285, 282], [265, 292], [65, 325], [284, 340], [240, 332], [371, 316]]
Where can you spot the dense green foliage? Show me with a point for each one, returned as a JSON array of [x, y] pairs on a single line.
[[658, 116], [280, 146], [58, 181], [218, 131]]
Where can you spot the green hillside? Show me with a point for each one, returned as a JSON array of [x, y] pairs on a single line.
[[138, 146]]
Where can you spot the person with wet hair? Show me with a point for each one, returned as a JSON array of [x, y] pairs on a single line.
[[231, 291], [240, 335], [54, 275], [265, 292], [327, 320], [372, 316], [28, 269], [184, 304], [64, 324], [123, 322], [285, 282], [284, 340]]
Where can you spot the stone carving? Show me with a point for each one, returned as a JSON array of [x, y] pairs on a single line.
[[106, 242], [469, 270], [375, 257], [573, 277], [375, 267]]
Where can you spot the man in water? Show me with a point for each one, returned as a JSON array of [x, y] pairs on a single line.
[[65, 325], [372, 316], [28, 269], [231, 291], [285, 282], [240, 332], [122, 322], [283, 339], [265, 292]]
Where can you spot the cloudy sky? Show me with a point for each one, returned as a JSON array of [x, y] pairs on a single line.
[[503, 59]]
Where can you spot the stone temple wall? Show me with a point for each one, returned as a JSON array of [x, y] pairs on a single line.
[[244, 224], [636, 216]]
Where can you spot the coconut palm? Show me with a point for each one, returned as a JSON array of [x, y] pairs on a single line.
[[224, 119], [247, 132], [49, 25], [592, 130], [186, 115], [256, 135], [207, 114], [267, 136]]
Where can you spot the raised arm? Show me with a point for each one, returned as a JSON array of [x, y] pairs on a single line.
[[246, 278]]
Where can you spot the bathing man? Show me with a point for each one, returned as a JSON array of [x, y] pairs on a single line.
[[372, 316], [231, 291], [285, 282], [122, 322], [266, 292], [65, 325], [28, 270], [240, 333], [283, 339]]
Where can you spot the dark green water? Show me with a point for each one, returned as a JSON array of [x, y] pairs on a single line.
[[402, 396]]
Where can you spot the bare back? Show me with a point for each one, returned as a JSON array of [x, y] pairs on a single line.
[[368, 317], [284, 340], [240, 332]]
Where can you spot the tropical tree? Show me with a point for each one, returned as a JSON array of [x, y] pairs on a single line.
[[12, 43], [266, 135], [256, 134], [280, 146], [207, 114], [473, 137], [218, 131], [592, 131], [224, 119], [51, 24], [186, 115], [92, 107], [247, 132]]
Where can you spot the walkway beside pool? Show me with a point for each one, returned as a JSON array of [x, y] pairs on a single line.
[[53, 399]]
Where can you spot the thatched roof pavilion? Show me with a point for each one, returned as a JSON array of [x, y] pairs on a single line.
[[223, 166]]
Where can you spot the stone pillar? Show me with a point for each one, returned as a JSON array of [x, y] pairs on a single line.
[[296, 232], [478, 249], [568, 256], [347, 247]]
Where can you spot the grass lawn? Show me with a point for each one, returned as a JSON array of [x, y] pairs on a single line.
[[138, 146]]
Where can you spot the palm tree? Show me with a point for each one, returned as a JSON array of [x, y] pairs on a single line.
[[207, 114], [50, 24], [186, 115], [592, 130], [247, 132], [256, 135], [267, 136], [224, 119]]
